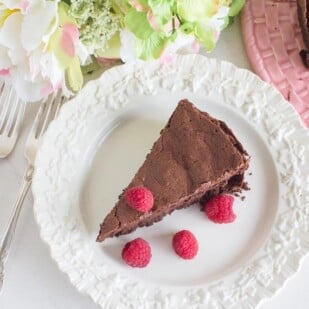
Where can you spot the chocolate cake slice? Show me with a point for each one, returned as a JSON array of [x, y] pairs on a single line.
[[195, 157], [303, 17]]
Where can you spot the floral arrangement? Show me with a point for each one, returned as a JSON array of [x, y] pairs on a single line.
[[47, 45]]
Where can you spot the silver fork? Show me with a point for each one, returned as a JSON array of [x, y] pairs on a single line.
[[11, 117], [47, 112]]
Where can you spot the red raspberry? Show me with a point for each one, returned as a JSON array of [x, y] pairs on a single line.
[[139, 198], [137, 253], [219, 209], [185, 244]]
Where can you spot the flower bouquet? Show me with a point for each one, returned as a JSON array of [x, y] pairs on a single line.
[[47, 45]]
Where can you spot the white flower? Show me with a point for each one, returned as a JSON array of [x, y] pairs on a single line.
[[27, 59], [25, 29]]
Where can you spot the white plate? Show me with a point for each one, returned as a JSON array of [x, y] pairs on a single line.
[[92, 150]]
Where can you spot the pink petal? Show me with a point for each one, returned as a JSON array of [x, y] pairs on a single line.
[[165, 59], [72, 30], [5, 72], [24, 4], [195, 47], [138, 6], [70, 35], [152, 21], [177, 23], [47, 90]]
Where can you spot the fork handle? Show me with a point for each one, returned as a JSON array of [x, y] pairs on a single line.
[[9, 232]]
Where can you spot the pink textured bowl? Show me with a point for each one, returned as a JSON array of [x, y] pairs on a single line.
[[273, 39]]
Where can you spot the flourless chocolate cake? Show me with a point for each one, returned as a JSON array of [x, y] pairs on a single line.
[[195, 157], [303, 16]]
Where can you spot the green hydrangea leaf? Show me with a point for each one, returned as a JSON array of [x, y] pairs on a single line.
[[161, 10], [150, 48], [236, 7], [137, 23], [143, 2], [196, 10], [74, 76], [205, 35], [173, 37]]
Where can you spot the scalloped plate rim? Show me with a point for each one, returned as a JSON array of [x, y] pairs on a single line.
[[70, 106]]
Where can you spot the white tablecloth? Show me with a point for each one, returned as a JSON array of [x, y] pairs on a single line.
[[33, 279]]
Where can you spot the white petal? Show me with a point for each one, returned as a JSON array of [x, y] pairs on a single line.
[[51, 70], [82, 53], [127, 49], [182, 45], [10, 39], [5, 61], [18, 4], [11, 4], [37, 24], [27, 90], [10, 31]]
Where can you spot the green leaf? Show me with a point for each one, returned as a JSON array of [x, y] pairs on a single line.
[[74, 76], [205, 35], [236, 7], [151, 48], [161, 10], [137, 23], [142, 2], [173, 37], [196, 10]]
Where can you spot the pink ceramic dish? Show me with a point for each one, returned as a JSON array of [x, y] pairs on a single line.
[[273, 39]]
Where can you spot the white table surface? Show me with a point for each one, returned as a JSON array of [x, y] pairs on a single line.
[[32, 278]]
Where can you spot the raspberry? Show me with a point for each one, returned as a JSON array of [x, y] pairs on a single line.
[[139, 198], [219, 209], [185, 244], [137, 253]]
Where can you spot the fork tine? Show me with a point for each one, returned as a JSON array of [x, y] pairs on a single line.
[[38, 117], [62, 101], [5, 109], [19, 117], [52, 102], [11, 116], [47, 111]]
